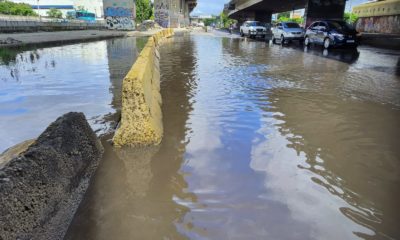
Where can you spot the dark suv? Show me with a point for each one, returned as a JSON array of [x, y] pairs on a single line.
[[331, 33]]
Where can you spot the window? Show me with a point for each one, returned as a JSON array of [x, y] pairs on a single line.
[[314, 25], [291, 25], [339, 25], [255, 24]]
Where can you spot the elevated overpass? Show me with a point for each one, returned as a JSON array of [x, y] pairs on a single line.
[[262, 10]]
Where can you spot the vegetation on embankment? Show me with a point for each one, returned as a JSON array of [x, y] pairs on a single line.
[[11, 8], [144, 10]]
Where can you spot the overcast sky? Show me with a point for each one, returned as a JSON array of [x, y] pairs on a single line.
[[216, 6]]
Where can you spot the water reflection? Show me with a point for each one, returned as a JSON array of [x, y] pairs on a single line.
[[332, 149], [141, 193], [290, 145], [38, 85], [261, 142], [344, 55], [10, 55], [325, 134]]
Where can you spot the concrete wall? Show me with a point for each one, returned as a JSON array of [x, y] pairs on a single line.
[[381, 24], [34, 25], [41, 188], [120, 14], [141, 117], [171, 13], [161, 12], [380, 8]]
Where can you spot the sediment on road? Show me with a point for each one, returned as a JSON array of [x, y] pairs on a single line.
[[141, 117], [41, 188]]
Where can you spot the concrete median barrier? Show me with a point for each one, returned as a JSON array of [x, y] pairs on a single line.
[[41, 188], [141, 117]]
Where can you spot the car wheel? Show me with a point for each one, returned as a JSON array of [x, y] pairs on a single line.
[[282, 40], [241, 34], [327, 43], [307, 41]]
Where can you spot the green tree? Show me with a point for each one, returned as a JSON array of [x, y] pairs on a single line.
[[350, 17], [209, 21], [21, 9], [54, 13], [144, 10], [226, 21], [284, 15], [296, 20]]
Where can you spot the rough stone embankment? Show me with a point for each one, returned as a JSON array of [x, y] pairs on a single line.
[[41, 189], [141, 117]]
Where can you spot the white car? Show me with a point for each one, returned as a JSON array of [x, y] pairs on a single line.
[[285, 32], [253, 29]]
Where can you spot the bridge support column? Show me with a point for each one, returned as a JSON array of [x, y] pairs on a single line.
[[324, 9], [263, 16]]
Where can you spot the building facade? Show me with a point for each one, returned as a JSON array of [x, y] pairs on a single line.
[[378, 17], [118, 14], [93, 6], [41, 7]]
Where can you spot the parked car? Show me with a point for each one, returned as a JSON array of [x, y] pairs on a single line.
[[330, 33], [287, 31], [253, 29]]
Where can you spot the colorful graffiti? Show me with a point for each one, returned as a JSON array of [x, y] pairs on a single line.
[[383, 24], [120, 23], [119, 14], [161, 12]]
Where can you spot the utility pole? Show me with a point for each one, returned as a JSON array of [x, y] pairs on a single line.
[[38, 10], [169, 13]]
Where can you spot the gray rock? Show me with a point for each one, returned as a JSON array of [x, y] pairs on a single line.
[[9, 41], [42, 188]]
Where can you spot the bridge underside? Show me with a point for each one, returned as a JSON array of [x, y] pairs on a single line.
[[267, 6], [261, 10]]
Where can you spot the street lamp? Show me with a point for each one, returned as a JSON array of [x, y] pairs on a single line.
[[38, 10]]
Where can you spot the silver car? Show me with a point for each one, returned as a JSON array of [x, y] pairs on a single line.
[[285, 32], [253, 29]]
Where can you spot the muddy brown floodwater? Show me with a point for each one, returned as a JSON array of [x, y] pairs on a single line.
[[261, 142]]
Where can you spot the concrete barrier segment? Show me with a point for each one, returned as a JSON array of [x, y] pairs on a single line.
[[41, 188], [141, 116]]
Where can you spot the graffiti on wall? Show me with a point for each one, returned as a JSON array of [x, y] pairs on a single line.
[[122, 23], [119, 14], [161, 13], [383, 24]]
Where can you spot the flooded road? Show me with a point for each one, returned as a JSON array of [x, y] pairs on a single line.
[[37, 85], [261, 142]]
